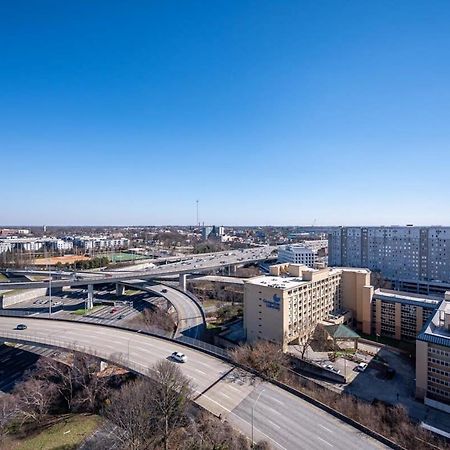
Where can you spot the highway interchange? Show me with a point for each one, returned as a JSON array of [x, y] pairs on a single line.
[[281, 418], [192, 264]]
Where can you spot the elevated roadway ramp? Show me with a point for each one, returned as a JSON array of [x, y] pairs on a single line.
[[286, 421]]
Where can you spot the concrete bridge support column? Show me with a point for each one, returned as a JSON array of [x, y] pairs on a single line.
[[232, 270], [120, 289], [182, 281], [90, 298]]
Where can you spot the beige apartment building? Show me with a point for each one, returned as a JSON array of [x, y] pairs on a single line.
[[283, 306], [433, 359], [401, 315]]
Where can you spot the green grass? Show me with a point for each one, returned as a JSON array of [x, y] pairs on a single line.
[[122, 257], [66, 434], [82, 311], [3, 277]]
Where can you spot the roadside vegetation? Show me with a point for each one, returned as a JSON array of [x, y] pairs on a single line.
[[93, 263], [392, 422], [58, 405]]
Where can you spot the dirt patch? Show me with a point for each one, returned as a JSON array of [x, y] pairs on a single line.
[[52, 261]]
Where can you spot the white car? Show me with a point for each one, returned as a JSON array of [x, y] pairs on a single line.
[[361, 367], [179, 357]]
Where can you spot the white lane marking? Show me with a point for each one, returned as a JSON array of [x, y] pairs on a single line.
[[201, 371], [248, 423], [324, 441], [277, 401], [325, 428], [225, 395], [273, 423]]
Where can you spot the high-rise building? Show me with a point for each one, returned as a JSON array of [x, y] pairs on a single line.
[[433, 359], [402, 254], [282, 308]]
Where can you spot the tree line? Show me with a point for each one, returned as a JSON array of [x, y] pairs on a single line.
[[143, 413]]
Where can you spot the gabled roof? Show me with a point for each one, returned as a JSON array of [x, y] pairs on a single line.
[[340, 332]]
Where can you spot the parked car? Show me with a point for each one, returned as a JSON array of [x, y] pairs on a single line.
[[361, 367], [21, 326], [179, 357]]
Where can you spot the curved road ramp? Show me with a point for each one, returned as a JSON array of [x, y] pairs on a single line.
[[284, 420]]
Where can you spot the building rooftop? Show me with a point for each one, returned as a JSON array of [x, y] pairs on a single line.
[[407, 297], [277, 282], [437, 329]]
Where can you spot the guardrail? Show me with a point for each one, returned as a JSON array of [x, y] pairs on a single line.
[[200, 346]]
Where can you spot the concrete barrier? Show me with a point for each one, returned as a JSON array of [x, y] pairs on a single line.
[[13, 297]]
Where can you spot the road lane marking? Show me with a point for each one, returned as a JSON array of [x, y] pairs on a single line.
[[225, 395], [324, 441], [325, 428], [277, 401]]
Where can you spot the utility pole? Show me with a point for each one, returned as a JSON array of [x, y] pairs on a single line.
[[198, 223]]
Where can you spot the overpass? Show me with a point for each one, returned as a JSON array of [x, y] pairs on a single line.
[[286, 421], [198, 265]]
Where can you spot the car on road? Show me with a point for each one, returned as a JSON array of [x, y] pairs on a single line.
[[21, 326], [113, 310], [120, 317], [163, 291], [179, 357]]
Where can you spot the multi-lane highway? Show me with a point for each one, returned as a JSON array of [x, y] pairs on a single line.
[[281, 418], [199, 263]]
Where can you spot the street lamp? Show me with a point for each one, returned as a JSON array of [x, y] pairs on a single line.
[[50, 293], [253, 414]]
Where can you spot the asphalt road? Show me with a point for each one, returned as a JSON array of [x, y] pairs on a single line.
[[189, 315], [285, 420]]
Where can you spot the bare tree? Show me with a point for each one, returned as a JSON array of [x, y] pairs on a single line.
[[170, 398], [8, 411], [263, 356], [130, 410], [90, 387], [78, 383], [307, 336], [34, 399]]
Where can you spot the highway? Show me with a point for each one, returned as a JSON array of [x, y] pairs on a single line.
[[199, 263], [286, 421], [189, 315]]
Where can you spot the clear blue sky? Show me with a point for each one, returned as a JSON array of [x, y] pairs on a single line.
[[280, 112]]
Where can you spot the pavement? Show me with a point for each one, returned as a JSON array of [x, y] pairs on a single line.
[[283, 419], [190, 319]]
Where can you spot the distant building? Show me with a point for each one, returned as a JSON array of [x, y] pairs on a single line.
[[411, 256], [305, 253], [433, 359], [13, 232], [100, 243], [212, 232]]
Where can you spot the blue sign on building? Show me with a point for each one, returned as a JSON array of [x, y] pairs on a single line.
[[273, 303]]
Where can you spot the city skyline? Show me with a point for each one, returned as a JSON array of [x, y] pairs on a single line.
[[296, 114]]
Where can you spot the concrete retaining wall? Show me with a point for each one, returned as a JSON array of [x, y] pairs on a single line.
[[7, 300]]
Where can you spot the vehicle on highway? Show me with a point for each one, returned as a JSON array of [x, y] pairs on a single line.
[[113, 310], [120, 317], [179, 357], [361, 367], [163, 291], [21, 326]]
